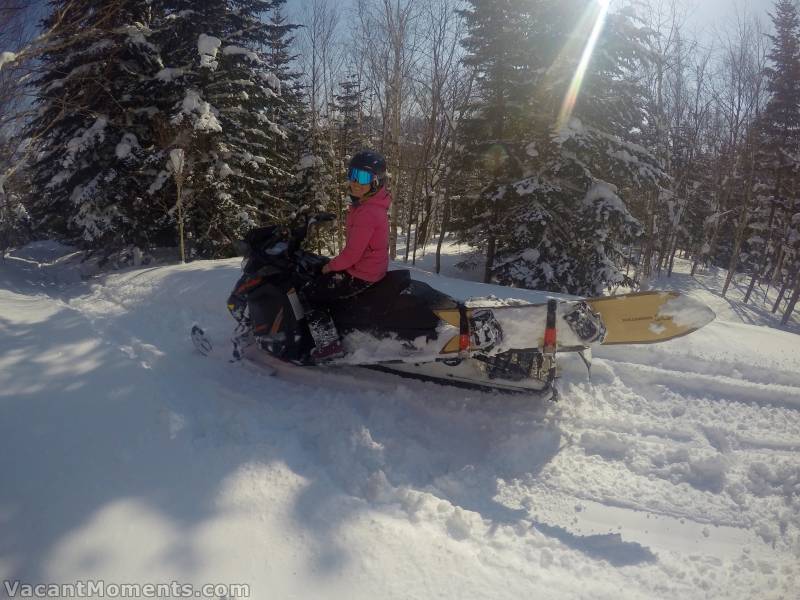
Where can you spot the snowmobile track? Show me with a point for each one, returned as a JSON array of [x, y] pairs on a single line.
[[699, 384]]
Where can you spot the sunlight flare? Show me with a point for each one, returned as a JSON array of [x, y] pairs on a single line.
[[577, 80]]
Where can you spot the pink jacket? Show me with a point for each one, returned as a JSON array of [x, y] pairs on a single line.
[[366, 253]]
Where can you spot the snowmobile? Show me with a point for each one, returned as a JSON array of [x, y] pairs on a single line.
[[406, 327]]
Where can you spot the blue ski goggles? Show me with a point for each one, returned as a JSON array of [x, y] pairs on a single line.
[[360, 176]]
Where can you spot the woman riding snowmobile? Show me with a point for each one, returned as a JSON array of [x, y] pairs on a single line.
[[362, 262]]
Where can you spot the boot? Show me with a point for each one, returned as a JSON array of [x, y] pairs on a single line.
[[326, 337]]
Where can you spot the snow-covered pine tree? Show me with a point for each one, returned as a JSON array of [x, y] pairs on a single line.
[[500, 50], [91, 133], [15, 225], [346, 132], [347, 117], [288, 111], [551, 196], [778, 158], [14, 218], [215, 98], [312, 183]]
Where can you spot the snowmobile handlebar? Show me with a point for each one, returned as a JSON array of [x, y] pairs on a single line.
[[275, 239]]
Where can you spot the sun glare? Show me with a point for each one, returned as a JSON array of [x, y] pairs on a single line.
[[577, 80]]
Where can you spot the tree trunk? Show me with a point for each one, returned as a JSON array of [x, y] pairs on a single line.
[[180, 225], [750, 287], [410, 222], [793, 302], [490, 252], [737, 248], [781, 294], [340, 218], [672, 258], [741, 229], [491, 246], [442, 232]]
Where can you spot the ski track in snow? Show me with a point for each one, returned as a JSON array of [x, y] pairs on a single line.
[[127, 456]]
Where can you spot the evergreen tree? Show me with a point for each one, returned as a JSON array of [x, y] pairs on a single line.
[[347, 115], [126, 85], [315, 184], [345, 131], [555, 172], [91, 134], [15, 223], [216, 97], [500, 51], [289, 109], [768, 245]]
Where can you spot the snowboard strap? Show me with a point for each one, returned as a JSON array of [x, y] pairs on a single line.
[[550, 339], [463, 331], [550, 346]]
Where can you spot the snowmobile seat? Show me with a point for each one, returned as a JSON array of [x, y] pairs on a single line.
[[393, 283], [396, 304], [381, 294]]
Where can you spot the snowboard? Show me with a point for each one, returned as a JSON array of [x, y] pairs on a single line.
[[636, 318]]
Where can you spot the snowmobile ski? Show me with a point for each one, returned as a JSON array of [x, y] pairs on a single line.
[[201, 341]]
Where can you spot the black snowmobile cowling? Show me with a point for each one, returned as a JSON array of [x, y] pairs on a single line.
[[408, 327]]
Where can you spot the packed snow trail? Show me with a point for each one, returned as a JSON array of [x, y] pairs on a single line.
[[128, 457]]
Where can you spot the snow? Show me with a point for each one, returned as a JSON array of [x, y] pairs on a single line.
[[308, 161], [207, 47], [128, 457], [7, 57], [126, 145], [225, 170], [137, 34], [168, 74], [686, 312], [239, 51], [272, 80], [176, 159], [161, 178], [86, 139], [205, 115], [605, 194]]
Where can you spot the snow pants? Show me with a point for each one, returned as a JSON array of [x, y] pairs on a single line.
[[325, 291]]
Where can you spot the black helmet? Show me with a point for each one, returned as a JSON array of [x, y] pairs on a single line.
[[369, 160], [373, 162]]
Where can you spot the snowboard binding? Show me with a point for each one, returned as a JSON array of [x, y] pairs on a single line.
[[586, 324], [486, 330]]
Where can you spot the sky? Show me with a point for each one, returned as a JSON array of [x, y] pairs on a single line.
[[709, 13], [704, 14]]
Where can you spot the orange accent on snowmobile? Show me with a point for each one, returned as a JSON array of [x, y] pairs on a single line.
[[250, 283], [463, 342], [550, 337], [276, 324]]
